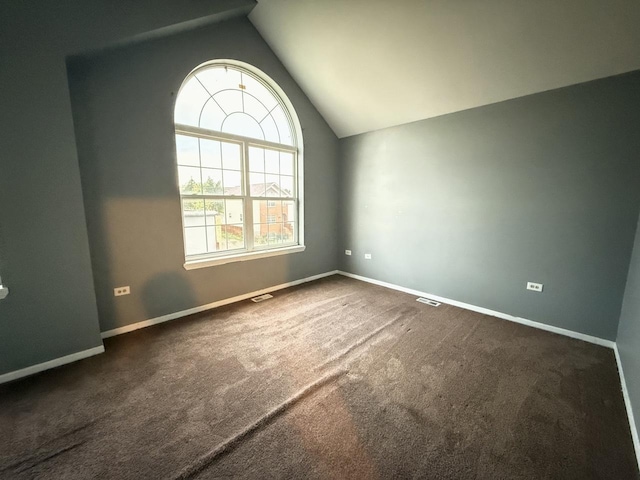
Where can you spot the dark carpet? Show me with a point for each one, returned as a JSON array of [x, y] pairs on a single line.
[[332, 379]]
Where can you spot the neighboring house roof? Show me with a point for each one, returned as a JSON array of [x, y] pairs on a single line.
[[260, 190]]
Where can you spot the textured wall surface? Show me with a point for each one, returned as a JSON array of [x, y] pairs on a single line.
[[472, 205]]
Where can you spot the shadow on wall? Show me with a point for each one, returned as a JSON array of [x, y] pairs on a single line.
[[162, 293], [137, 242], [123, 101]]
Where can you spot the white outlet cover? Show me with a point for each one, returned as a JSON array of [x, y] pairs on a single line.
[[536, 287], [367, 256], [347, 252], [119, 291]]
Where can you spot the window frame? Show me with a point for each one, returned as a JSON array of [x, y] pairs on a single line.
[[250, 250]]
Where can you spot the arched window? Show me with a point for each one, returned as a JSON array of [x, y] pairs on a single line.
[[239, 151]]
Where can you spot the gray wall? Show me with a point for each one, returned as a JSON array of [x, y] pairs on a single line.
[[123, 111], [629, 330], [44, 252], [472, 205]]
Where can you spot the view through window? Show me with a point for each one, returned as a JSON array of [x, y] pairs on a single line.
[[237, 161]]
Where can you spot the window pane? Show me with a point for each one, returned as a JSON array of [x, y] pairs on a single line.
[[259, 91], [212, 116], [270, 211], [286, 184], [187, 150], [242, 124], [270, 130], [219, 78], [234, 211], [212, 181], [275, 233], [254, 108], [273, 185], [225, 237], [286, 163], [215, 242], [229, 100], [189, 179], [259, 215], [193, 212], [189, 102], [195, 239], [231, 156], [289, 214], [214, 211], [288, 211], [232, 181], [210, 155], [256, 159], [272, 161], [282, 123], [234, 235], [257, 184], [260, 234], [289, 232]]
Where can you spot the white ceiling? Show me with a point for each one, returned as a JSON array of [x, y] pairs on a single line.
[[371, 64]]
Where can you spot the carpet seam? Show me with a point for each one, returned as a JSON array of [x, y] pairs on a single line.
[[229, 445]]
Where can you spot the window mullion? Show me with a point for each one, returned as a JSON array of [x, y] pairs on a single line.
[[248, 202]]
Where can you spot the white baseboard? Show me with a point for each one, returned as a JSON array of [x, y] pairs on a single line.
[[209, 306], [10, 376], [561, 331], [542, 326], [56, 362], [627, 404]]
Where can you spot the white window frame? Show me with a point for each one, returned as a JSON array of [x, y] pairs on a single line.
[[251, 252]]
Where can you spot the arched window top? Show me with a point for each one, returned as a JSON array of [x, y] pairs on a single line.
[[230, 99], [239, 166]]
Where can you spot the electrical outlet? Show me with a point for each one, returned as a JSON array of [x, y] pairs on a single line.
[[347, 252], [367, 256], [536, 287], [119, 291]]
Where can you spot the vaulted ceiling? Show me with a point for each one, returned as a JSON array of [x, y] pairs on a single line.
[[371, 64]]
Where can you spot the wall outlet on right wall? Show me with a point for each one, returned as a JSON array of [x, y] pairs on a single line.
[[536, 287]]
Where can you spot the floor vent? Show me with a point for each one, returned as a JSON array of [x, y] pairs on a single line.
[[428, 301], [261, 298]]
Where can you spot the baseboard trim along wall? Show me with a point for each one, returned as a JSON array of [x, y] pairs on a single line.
[[7, 377], [209, 306], [56, 362], [542, 326], [627, 404]]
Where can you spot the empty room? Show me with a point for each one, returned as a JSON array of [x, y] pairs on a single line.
[[319, 239]]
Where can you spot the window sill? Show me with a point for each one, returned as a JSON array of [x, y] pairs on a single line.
[[4, 291], [241, 257]]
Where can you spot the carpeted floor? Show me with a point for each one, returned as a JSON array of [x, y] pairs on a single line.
[[332, 379]]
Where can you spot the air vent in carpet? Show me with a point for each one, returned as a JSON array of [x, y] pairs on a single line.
[[261, 298], [428, 301]]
